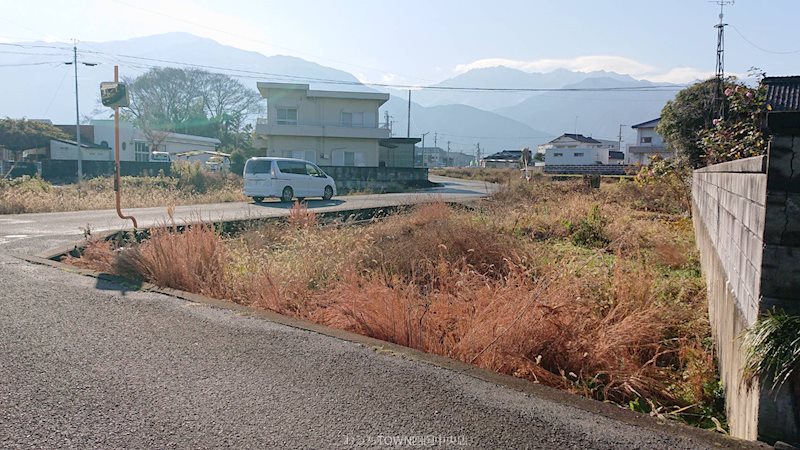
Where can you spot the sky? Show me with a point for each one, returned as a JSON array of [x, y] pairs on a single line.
[[424, 42]]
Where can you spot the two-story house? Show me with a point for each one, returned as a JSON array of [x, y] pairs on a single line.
[[648, 144], [577, 149], [330, 128]]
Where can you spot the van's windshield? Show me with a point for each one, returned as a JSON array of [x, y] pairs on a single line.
[[258, 166]]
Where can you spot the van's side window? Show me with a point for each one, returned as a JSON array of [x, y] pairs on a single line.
[[258, 166], [295, 167]]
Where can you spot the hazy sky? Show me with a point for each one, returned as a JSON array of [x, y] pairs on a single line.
[[422, 42]]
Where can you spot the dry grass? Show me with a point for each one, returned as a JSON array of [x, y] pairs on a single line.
[[479, 173], [547, 281], [32, 195]]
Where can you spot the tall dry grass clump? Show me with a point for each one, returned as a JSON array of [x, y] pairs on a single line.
[[413, 247], [193, 260]]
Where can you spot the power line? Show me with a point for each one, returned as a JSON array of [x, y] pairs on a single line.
[[762, 48], [53, 63], [248, 74]]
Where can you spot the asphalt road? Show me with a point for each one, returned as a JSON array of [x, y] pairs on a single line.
[[86, 364]]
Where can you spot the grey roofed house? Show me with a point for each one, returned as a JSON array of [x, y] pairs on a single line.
[[502, 159], [648, 124], [579, 138]]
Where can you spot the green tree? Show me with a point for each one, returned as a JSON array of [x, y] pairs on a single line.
[[684, 117], [688, 122], [22, 134]]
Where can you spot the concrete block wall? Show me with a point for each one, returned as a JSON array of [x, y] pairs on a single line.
[[729, 204], [746, 215]]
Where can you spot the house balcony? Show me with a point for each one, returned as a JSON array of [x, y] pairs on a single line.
[[267, 128]]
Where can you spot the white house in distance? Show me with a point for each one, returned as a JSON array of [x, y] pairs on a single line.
[[330, 128], [135, 145], [577, 149], [648, 144]]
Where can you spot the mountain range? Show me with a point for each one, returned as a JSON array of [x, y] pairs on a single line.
[[35, 83]]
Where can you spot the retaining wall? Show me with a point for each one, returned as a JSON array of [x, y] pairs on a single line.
[[747, 226]]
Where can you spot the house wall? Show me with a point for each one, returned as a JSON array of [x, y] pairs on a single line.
[[128, 135], [325, 150], [568, 157], [64, 151], [641, 133], [320, 111]]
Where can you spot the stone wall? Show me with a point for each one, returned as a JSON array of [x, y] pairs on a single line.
[[746, 216], [378, 179]]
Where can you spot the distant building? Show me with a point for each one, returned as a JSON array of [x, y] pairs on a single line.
[[97, 144], [577, 149], [330, 128], [439, 157], [648, 144], [503, 160]]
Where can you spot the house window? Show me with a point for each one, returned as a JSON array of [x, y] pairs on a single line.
[[647, 140], [353, 119], [578, 154], [141, 151], [349, 158], [558, 154], [287, 116]]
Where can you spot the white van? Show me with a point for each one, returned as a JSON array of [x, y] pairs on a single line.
[[286, 178]]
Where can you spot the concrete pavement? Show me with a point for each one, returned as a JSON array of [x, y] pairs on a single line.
[[86, 364]]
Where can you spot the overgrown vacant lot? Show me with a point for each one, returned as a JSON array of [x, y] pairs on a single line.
[[594, 292], [188, 185]]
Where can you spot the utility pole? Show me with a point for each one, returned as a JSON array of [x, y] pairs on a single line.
[[423, 148], [74, 63], [478, 155], [435, 139], [719, 95], [408, 132], [388, 123], [619, 144]]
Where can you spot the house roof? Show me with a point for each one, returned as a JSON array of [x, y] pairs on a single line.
[[265, 87], [648, 124], [393, 142], [578, 137], [783, 93]]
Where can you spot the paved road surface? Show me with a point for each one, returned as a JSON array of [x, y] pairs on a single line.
[[86, 364]]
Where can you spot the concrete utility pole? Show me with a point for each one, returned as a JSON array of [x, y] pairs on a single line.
[[478, 155], [408, 133], [74, 63], [423, 148], [619, 144]]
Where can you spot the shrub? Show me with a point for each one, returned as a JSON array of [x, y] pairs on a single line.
[[773, 348], [590, 231]]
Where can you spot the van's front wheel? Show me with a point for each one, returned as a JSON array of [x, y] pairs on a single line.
[[287, 195], [328, 194], [258, 199]]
